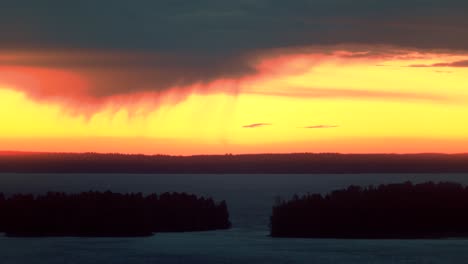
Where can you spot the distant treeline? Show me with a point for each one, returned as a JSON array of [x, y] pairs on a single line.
[[258, 163], [109, 214], [426, 210]]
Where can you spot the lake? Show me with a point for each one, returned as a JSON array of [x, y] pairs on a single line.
[[249, 198]]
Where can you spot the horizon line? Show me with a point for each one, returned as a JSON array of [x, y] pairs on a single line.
[[14, 152]]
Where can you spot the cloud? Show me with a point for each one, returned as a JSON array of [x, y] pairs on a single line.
[[311, 92], [122, 48], [256, 125], [229, 28], [114, 73], [462, 63], [321, 126], [88, 81]]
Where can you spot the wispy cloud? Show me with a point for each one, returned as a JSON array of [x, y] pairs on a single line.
[[256, 125], [311, 92], [321, 126], [460, 64]]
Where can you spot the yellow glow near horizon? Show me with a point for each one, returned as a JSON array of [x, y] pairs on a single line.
[[353, 102]]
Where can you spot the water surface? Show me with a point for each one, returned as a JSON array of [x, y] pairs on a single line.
[[249, 198]]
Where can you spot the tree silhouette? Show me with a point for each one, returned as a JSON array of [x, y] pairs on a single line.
[[109, 214], [388, 211]]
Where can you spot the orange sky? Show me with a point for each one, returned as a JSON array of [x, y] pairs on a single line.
[[310, 99]]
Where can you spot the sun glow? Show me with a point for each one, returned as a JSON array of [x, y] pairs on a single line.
[[337, 102]]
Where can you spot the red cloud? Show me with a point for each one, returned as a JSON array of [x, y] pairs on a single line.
[[321, 126], [462, 63], [86, 81], [256, 125]]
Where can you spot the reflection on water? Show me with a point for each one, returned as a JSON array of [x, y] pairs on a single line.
[[233, 246]]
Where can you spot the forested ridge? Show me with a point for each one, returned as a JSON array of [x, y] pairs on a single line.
[[406, 210], [254, 163], [109, 214]]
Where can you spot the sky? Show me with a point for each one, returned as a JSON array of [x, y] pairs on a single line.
[[247, 76]]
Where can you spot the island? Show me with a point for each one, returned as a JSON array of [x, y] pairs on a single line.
[[108, 214], [399, 211]]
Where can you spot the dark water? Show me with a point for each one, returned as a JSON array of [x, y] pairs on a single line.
[[249, 198]]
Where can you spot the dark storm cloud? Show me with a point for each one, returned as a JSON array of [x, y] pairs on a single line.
[[256, 125], [228, 27], [211, 39], [124, 73]]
